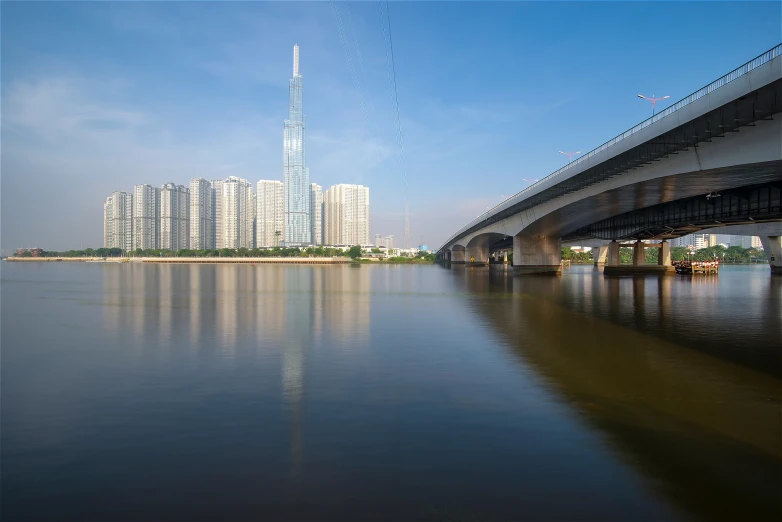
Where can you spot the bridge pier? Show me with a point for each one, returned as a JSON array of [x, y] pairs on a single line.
[[477, 255], [773, 249], [639, 256], [457, 255], [664, 256], [602, 253], [534, 255]]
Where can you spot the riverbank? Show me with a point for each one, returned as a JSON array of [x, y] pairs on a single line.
[[196, 260]]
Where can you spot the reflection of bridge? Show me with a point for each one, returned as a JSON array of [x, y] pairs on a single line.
[[692, 413], [711, 159]]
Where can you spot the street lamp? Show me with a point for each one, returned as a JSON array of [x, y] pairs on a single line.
[[570, 154], [652, 99]]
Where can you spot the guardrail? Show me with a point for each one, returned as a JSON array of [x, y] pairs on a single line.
[[716, 84]]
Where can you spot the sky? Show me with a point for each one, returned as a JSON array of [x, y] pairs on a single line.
[[100, 96]]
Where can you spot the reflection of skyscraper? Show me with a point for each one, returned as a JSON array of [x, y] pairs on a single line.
[[296, 176]]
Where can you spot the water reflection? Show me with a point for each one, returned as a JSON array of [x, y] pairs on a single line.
[[703, 429]]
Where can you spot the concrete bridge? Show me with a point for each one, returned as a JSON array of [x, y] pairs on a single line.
[[713, 159]]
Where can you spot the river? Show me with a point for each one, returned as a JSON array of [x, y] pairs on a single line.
[[201, 392]]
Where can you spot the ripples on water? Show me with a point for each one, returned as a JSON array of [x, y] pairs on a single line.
[[178, 392]]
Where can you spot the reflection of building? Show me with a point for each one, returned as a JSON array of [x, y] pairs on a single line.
[[316, 210], [201, 214], [145, 216], [269, 213], [174, 225], [346, 215]]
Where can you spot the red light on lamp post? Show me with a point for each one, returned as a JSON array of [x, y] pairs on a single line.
[[570, 154], [653, 100]]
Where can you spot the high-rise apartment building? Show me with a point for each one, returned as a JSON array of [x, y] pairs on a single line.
[[145, 216], [174, 216], [269, 213], [118, 221], [346, 215], [316, 213], [296, 176], [389, 241], [238, 213], [201, 214], [218, 228], [379, 240]]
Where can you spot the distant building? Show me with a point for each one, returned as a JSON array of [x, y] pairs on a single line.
[[201, 214], [316, 210], [218, 229], [346, 215], [755, 243], [379, 241], [238, 214], [389, 241], [145, 217], [174, 215], [269, 214], [118, 221]]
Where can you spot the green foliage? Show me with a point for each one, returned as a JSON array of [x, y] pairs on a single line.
[[354, 252], [567, 253]]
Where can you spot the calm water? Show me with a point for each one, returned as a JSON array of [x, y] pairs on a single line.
[[190, 393]]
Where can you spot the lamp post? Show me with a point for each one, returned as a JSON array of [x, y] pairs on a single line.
[[570, 154], [653, 100]]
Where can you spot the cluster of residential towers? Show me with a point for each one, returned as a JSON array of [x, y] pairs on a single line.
[[228, 213]]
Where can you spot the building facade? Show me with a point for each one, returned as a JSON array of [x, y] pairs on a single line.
[[346, 215], [145, 217], [238, 214], [269, 214], [296, 176], [118, 221], [174, 215], [316, 210], [218, 228], [201, 215]]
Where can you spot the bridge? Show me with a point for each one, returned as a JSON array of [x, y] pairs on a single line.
[[712, 159]]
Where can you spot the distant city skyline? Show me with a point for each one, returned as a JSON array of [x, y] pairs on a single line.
[[201, 88]]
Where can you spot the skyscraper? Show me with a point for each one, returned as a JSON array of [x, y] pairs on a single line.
[[145, 216], [174, 233], [218, 229], [296, 176], [238, 214], [269, 213], [201, 214], [118, 221], [316, 213], [346, 215]]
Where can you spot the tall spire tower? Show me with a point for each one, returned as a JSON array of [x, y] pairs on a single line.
[[296, 176]]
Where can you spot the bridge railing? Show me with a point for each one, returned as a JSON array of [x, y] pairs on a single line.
[[716, 84]]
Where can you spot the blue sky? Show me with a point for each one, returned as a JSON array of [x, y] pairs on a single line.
[[100, 96]]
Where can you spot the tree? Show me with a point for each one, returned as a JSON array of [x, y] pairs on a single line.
[[375, 250], [354, 252]]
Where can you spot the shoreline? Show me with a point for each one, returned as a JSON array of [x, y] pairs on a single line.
[[190, 260]]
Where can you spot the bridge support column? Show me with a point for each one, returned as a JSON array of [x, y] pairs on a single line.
[[664, 256], [534, 255], [477, 255], [773, 249], [639, 258], [613, 254], [457, 255], [602, 253]]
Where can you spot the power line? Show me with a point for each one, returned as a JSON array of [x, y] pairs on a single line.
[[398, 121]]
